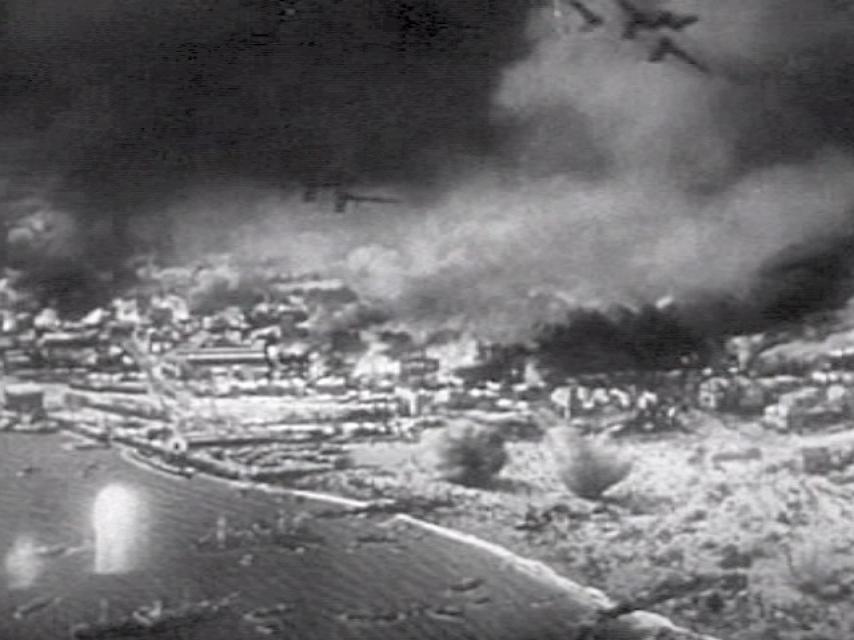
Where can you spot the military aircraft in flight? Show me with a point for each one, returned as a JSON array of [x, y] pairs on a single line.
[[638, 19], [667, 47], [343, 198], [312, 189], [592, 20]]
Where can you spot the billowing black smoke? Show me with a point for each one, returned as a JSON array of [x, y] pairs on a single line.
[[125, 104], [543, 168]]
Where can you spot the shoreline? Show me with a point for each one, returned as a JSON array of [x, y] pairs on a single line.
[[644, 623]]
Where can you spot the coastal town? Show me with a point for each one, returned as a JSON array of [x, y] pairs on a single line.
[[458, 319], [290, 383]]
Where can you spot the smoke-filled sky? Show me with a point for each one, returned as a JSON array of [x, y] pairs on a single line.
[[540, 165], [139, 90]]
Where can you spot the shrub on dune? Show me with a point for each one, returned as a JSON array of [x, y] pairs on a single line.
[[469, 453], [587, 468]]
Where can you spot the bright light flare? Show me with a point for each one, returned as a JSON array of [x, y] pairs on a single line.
[[116, 518], [23, 565]]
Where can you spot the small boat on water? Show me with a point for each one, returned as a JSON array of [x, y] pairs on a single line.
[[153, 620], [376, 538], [297, 541], [389, 616], [33, 606], [52, 550], [27, 471], [239, 539], [264, 615], [445, 613], [158, 463], [467, 584], [225, 538]]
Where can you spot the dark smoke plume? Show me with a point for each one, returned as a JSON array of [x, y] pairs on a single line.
[[128, 104], [543, 168]]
